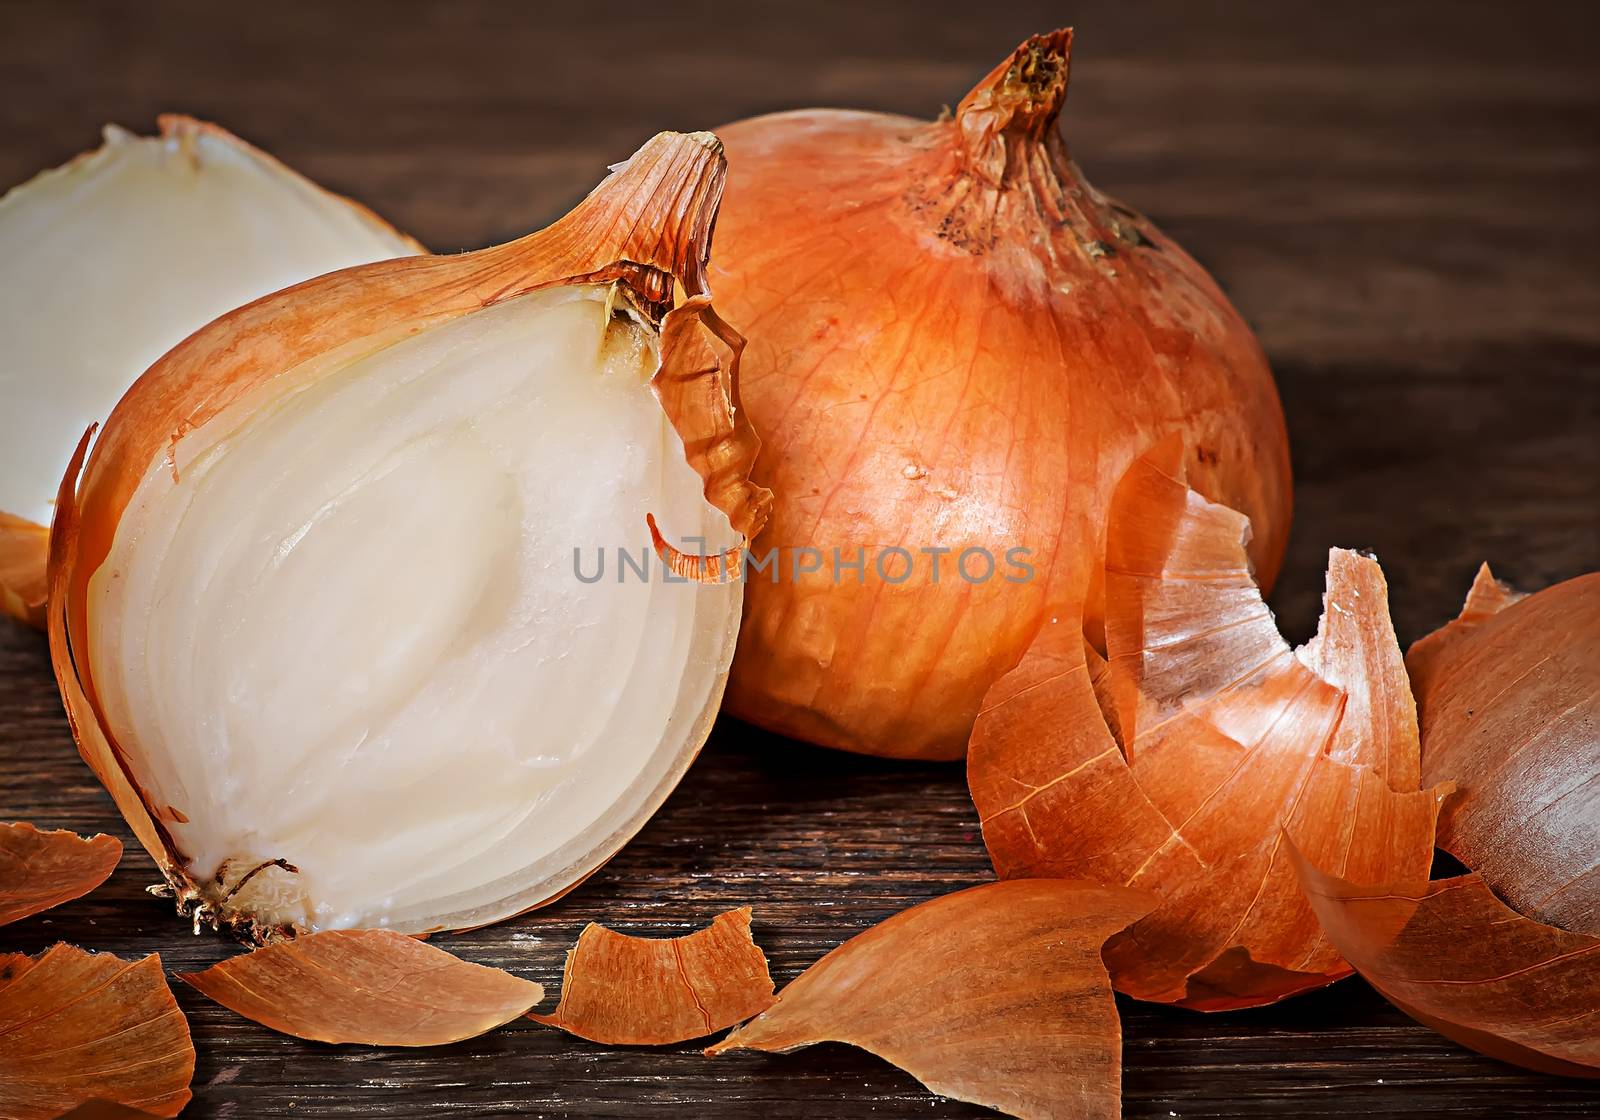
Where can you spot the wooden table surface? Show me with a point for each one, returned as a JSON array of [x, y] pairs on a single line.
[[1401, 199]]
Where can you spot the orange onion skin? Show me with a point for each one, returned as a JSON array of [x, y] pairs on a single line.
[[956, 342]]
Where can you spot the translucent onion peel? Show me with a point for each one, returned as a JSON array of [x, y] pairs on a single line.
[[995, 995], [316, 606], [643, 991], [1223, 735], [39, 870], [367, 986], [958, 343], [79, 1027], [1509, 695], [108, 262], [1457, 959]]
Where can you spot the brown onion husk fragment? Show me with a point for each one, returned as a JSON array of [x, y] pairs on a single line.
[[24, 552], [645, 230], [957, 342], [367, 986], [79, 1027], [1509, 695], [40, 870], [644, 991], [1224, 737], [1457, 959], [995, 995]]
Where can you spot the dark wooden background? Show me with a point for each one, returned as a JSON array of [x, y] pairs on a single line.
[[1401, 197]]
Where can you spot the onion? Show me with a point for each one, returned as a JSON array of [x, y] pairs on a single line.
[[108, 262], [957, 343], [320, 606]]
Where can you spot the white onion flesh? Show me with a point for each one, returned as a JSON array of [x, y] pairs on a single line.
[[351, 635], [110, 261]]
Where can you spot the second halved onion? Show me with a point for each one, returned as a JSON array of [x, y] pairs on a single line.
[[322, 605], [108, 262]]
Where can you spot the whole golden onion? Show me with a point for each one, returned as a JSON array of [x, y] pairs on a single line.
[[957, 346]]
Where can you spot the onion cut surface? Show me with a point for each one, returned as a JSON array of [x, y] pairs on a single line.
[[40, 870], [367, 986], [958, 343], [78, 1027], [1224, 737], [995, 995], [116, 257], [650, 991], [327, 622]]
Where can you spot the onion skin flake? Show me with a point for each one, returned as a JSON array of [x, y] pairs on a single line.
[[995, 995], [40, 870], [79, 1027], [370, 986], [1457, 959], [644, 991]]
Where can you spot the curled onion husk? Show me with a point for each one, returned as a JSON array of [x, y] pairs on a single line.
[[958, 343], [1509, 697], [1506, 958], [1457, 959], [1221, 739], [112, 259], [315, 606]]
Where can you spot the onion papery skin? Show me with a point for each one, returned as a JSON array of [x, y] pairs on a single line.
[[115, 257], [1509, 698], [957, 342], [614, 290]]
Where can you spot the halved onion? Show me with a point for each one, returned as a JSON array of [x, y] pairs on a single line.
[[322, 606], [112, 259]]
